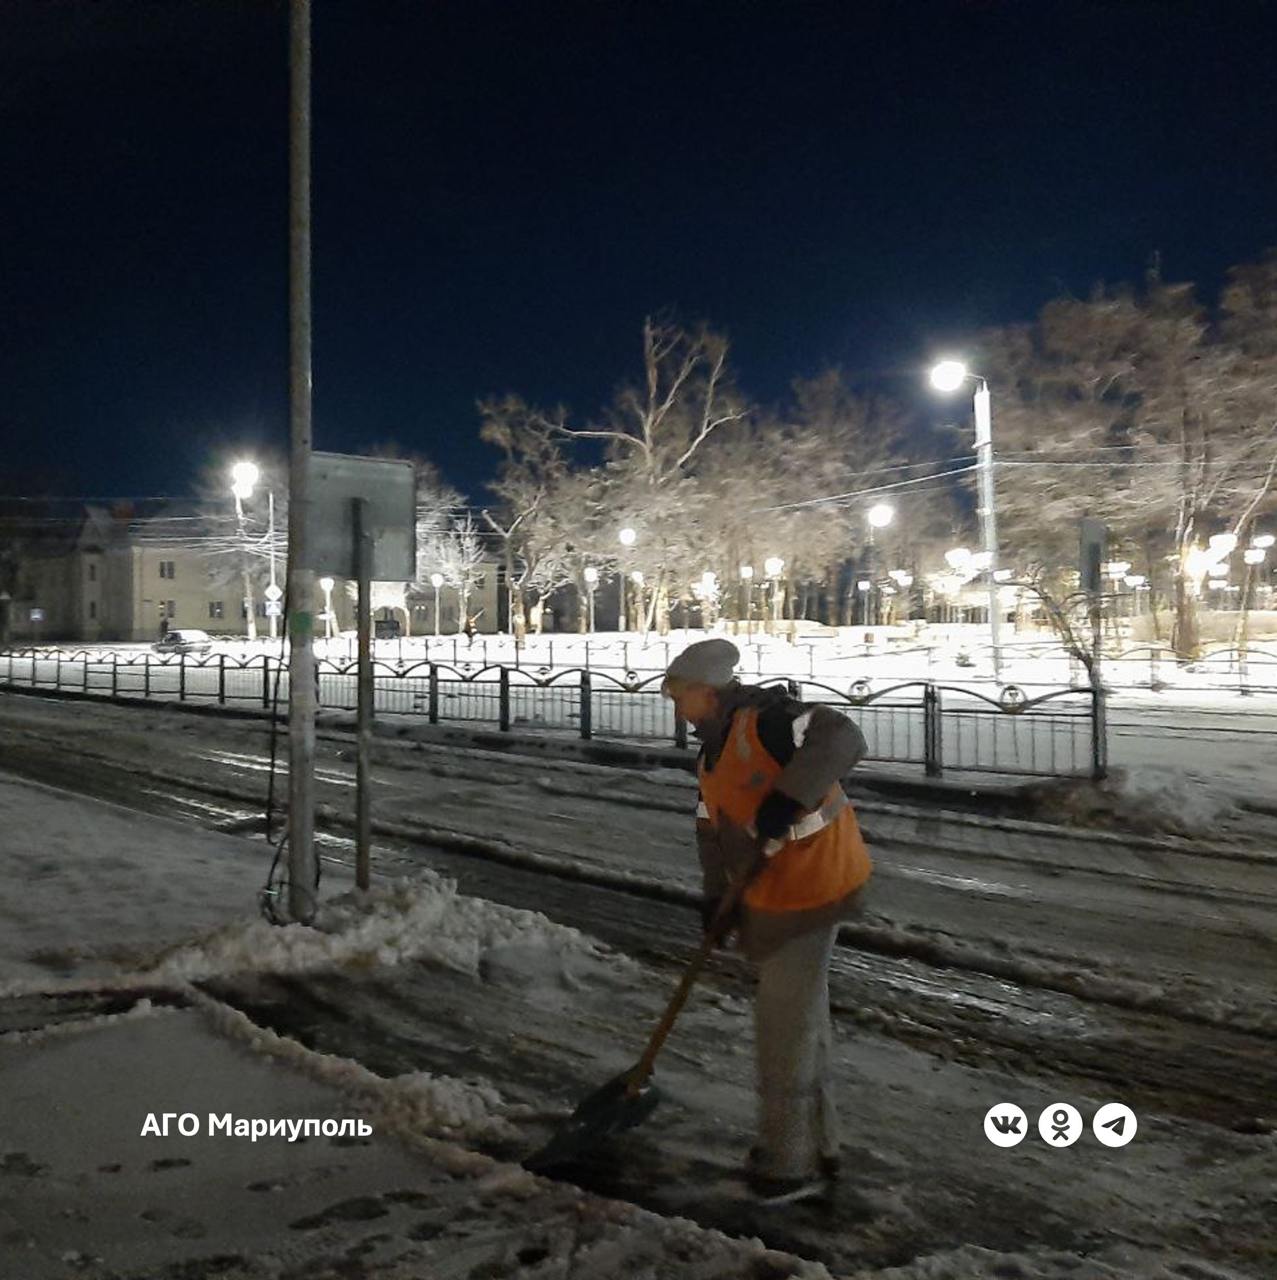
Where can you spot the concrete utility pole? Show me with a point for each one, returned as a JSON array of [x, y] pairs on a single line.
[[301, 574], [989, 516]]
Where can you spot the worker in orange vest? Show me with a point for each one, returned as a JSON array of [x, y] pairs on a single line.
[[771, 806]]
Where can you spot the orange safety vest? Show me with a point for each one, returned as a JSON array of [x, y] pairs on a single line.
[[823, 859]]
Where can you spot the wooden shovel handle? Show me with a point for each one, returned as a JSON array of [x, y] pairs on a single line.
[[713, 936]]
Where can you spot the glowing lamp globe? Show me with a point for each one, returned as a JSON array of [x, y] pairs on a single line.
[[948, 375]]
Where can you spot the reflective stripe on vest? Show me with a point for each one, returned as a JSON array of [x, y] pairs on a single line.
[[823, 857]]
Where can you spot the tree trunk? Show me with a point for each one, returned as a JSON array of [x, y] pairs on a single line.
[[661, 605], [1241, 637], [1185, 633], [1152, 592]]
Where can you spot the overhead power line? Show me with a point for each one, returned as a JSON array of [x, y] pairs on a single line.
[[852, 494]]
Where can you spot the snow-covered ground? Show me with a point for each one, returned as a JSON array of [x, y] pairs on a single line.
[[997, 965]]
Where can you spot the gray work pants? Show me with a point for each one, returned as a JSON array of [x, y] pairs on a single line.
[[797, 1120]]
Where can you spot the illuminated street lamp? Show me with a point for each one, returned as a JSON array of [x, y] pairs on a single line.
[[591, 576], [627, 538], [949, 376], [436, 581], [774, 566], [747, 583], [878, 517], [243, 478], [326, 586]]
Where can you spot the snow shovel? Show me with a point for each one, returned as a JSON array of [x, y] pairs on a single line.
[[628, 1099]]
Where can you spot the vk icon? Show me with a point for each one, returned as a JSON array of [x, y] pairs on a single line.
[[1005, 1124]]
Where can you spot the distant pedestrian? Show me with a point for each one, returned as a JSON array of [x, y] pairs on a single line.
[[771, 810], [470, 628], [163, 626]]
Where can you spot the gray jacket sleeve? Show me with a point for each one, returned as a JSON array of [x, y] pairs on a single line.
[[827, 745]]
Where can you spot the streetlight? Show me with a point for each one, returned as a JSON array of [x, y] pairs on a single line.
[[243, 478], [879, 516], [1117, 571], [774, 566], [436, 581], [747, 582], [326, 586], [948, 376], [627, 538], [637, 579], [591, 575]]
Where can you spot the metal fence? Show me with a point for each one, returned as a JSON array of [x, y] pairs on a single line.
[[937, 727], [1031, 663]]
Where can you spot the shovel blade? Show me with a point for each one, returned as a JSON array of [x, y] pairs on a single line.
[[610, 1109]]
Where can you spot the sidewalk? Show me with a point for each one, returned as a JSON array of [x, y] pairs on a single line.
[[89, 1051]]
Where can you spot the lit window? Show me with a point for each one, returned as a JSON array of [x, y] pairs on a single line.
[[215, 609]]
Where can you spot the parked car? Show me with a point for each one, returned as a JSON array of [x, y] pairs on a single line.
[[183, 641]]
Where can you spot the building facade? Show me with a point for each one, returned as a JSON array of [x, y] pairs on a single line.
[[108, 577]]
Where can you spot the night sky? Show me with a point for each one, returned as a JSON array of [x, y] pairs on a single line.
[[503, 190]]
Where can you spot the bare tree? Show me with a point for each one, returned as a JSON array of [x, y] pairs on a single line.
[[654, 431], [532, 466], [461, 559]]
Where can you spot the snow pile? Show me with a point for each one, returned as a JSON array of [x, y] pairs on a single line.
[[1146, 798], [970, 1262], [74, 1027], [1172, 799], [409, 1105], [423, 918]]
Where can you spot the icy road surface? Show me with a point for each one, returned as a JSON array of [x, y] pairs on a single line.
[[999, 963]]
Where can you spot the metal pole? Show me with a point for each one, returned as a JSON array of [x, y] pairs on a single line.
[[249, 617], [301, 576], [363, 715], [989, 516], [270, 499]]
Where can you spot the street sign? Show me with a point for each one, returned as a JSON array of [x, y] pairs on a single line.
[[389, 487], [1092, 541], [273, 593], [274, 609]]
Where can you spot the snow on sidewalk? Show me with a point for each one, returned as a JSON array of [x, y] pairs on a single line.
[[83, 1192]]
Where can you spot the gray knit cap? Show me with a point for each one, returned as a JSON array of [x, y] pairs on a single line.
[[705, 662]]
